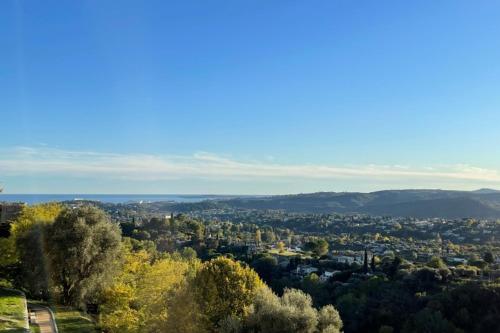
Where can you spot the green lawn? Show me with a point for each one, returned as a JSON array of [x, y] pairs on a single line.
[[34, 329], [72, 321], [11, 311]]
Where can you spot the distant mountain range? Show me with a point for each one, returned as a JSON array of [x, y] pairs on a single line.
[[483, 203]]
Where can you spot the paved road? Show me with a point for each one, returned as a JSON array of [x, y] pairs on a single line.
[[43, 318]]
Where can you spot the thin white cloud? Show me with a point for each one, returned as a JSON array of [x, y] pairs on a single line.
[[28, 161]]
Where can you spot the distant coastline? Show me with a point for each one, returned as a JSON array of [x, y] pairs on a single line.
[[110, 198]]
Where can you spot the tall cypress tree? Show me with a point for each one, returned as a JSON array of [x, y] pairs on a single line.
[[365, 266]]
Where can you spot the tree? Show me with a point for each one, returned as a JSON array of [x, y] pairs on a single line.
[[8, 255], [426, 278], [189, 253], [27, 235], [430, 321], [329, 320], [318, 247], [293, 312], [266, 266], [83, 247], [150, 295], [281, 247], [391, 266], [268, 236], [36, 214], [224, 287], [34, 275], [436, 262], [258, 237], [157, 287], [372, 263], [365, 263], [489, 257]]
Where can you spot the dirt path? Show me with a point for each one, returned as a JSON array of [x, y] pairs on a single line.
[[43, 319]]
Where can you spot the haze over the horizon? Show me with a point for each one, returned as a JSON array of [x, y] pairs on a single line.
[[265, 97]]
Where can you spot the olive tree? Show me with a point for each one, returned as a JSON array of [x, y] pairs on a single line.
[[83, 247], [293, 312]]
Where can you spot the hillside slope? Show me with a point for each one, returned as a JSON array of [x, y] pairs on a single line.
[[416, 203]]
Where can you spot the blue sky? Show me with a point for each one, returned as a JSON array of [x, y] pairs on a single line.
[[248, 96]]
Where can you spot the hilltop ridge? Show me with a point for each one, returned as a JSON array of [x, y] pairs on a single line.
[[484, 203]]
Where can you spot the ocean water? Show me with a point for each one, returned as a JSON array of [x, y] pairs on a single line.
[[108, 198]]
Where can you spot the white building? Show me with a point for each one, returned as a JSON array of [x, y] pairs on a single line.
[[327, 275]]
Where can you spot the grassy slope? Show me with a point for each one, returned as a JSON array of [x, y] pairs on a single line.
[[11, 311], [72, 321]]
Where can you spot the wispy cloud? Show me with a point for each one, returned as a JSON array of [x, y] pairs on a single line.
[[44, 160]]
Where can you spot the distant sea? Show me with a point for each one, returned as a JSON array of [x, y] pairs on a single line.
[[109, 198]]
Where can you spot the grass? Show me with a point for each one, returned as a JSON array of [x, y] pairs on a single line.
[[71, 321], [11, 311], [34, 328]]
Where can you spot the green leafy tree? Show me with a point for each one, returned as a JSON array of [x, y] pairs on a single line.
[[83, 247], [430, 321], [266, 266], [436, 262], [34, 275], [318, 247]]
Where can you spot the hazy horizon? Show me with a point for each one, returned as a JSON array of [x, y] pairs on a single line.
[[238, 194]]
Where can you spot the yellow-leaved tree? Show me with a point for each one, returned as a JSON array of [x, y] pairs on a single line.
[[140, 298], [36, 214], [27, 235], [224, 287], [176, 294], [120, 310]]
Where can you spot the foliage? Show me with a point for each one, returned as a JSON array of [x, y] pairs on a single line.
[[83, 247], [489, 257], [30, 248], [27, 235], [8, 255], [318, 247], [141, 296], [293, 312], [266, 266], [437, 263], [36, 214], [224, 287], [431, 321]]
